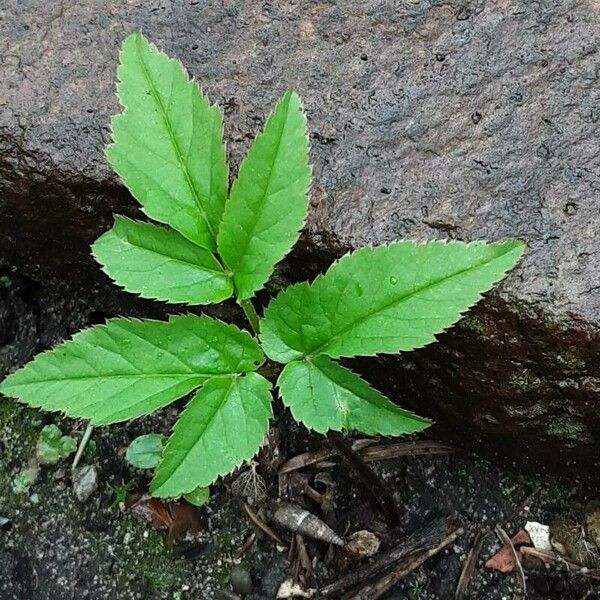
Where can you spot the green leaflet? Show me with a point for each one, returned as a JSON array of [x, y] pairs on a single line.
[[223, 425], [159, 263], [384, 300], [145, 451], [128, 368], [269, 199], [324, 395], [198, 497], [167, 143]]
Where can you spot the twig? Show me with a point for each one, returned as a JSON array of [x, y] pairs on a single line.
[[552, 557], [421, 541], [503, 537], [301, 485], [421, 448], [84, 442], [469, 567], [247, 545], [375, 484], [310, 458], [412, 563], [263, 526]]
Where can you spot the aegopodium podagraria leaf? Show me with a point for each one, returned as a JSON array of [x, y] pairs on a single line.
[[324, 395], [168, 143], [128, 368], [168, 149], [159, 263], [223, 425], [269, 199], [387, 299]]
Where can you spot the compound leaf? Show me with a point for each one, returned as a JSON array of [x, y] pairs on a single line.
[[324, 395], [168, 143], [222, 426], [384, 300], [269, 199], [128, 368], [160, 263]]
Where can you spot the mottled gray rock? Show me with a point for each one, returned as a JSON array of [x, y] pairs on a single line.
[[429, 119], [241, 580], [85, 482]]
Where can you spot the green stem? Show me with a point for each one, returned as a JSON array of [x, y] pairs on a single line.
[[251, 314]]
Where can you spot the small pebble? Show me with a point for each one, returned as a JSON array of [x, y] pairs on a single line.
[[241, 581], [85, 482], [226, 595]]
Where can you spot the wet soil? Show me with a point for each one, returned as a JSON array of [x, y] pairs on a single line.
[[55, 547]]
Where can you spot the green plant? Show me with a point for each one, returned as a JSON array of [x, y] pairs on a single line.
[[120, 493], [53, 446], [145, 451], [220, 243], [416, 589]]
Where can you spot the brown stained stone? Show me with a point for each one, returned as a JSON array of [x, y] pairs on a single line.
[[428, 119]]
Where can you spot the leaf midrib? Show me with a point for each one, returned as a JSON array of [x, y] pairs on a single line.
[[169, 128], [171, 258], [183, 376], [400, 300]]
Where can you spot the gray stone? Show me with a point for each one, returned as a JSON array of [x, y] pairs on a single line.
[[241, 580], [85, 482], [428, 119]]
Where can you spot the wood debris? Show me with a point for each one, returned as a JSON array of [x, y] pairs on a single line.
[[374, 591], [263, 526], [469, 567], [421, 541]]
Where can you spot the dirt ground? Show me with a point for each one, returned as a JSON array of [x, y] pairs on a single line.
[[55, 547]]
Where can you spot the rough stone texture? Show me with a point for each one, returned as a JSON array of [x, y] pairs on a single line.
[[429, 119]]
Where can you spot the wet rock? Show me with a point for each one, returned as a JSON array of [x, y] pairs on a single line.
[[478, 122], [241, 580], [85, 482]]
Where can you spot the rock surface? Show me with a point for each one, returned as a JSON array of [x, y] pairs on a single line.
[[428, 119]]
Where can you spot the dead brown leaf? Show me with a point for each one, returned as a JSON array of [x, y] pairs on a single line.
[[504, 560]]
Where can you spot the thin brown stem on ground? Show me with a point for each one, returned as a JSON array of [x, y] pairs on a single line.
[[373, 482]]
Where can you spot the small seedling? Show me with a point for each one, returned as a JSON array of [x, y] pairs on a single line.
[[53, 446], [217, 243], [24, 479], [120, 493], [416, 589]]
